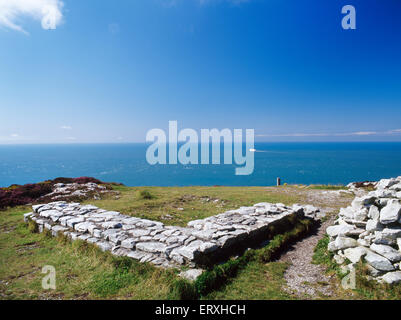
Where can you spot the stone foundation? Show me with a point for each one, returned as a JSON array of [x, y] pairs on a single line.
[[202, 243], [370, 230]]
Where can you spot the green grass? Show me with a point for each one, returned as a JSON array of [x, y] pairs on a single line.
[[179, 205], [371, 289], [365, 289], [146, 195], [82, 270], [257, 281], [327, 187], [323, 256], [222, 277]]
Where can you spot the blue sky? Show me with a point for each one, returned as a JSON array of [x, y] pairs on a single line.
[[109, 71]]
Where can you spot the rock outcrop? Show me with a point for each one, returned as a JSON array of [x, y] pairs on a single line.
[[370, 229], [66, 189]]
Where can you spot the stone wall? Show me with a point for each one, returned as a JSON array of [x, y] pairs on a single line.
[[201, 243], [370, 229]]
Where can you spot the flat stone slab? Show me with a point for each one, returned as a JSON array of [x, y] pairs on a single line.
[[392, 277], [191, 274], [151, 241]]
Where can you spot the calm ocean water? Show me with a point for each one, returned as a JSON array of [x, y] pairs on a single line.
[[307, 163]]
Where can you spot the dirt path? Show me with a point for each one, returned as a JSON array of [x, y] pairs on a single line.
[[304, 279]]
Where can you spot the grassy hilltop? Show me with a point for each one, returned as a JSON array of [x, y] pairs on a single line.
[[84, 272]]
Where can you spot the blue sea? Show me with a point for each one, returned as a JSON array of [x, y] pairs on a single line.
[[306, 163]]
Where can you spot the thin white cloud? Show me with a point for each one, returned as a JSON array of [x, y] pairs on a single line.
[[365, 133], [293, 135], [323, 134], [66, 127], [48, 12], [13, 138]]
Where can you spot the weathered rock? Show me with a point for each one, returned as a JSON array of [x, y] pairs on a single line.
[[355, 254], [63, 220], [128, 243], [190, 251], [138, 255], [36, 207], [360, 202], [49, 213], [384, 193], [117, 238], [378, 262], [374, 213], [104, 246], [374, 225], [373, 271], [151, 247], [387, 236], [356, 232], [92, 240], [176, 256], [396, 187], [139, 232], [111, 225], [361, 214], [82, 227], [208, 247], [97, 233], [72, 222], [147, 223], [341, 243], [84, 237], [343, 229], [106, 234], [391, 212], [204, 234], [191, 274], [58, 229], [74, 235], [386, 251], [338, 259], [347, 213], [27, 216], [392, 277], [89, 207], [364, 242], [386, 183]]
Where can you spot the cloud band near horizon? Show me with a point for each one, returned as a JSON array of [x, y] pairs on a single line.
[[358, 133]]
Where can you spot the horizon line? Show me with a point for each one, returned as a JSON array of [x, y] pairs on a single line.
[[133, 142]]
